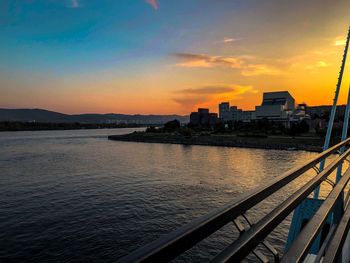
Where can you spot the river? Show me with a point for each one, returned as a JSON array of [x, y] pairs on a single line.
[[73, 196]]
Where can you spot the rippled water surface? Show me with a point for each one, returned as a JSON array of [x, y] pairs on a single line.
[[70, 196]]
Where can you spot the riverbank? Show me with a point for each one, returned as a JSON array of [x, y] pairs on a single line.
[[312, 144]]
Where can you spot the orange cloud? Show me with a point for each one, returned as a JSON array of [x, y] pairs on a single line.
[[318, 64], [207, 90], [206, 61], [153, 3], [244, 63], [210, 96], [339, 42], [260, 69]]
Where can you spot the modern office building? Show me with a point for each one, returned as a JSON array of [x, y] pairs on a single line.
[[277, 106]]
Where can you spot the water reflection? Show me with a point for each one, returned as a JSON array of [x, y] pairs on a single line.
[[69, 195]]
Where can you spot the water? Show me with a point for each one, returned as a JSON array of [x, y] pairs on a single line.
[[70, 196]]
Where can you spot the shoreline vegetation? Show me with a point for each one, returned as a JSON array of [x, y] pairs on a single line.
[[306, 143], [261, 134], [173, 133]]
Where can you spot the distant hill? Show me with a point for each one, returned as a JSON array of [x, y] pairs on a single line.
[[40, 115]]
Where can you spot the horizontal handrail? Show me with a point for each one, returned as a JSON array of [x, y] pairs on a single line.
[[239, 249], [170, 246], [336, 246], [301, 245]]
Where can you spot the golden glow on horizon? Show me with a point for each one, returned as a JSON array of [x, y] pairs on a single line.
[[310, 77], [235, 58]]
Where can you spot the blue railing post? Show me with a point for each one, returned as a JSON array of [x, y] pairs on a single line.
[[338, 209], [344, 133]]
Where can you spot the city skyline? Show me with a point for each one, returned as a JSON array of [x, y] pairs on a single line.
[[161, 57]]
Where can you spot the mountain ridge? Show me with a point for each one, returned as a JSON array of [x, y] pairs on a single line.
[[43, 115]]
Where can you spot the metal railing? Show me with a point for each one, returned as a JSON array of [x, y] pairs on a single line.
[[336, 245], [302, 244], [172, 245]]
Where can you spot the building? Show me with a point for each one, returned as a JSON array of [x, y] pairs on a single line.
[[194, 118], [234, 113], [247, 116], [300, 113], [227, 113], [224, 111], [213, 119], [203, 118], [325, 110], [241, 115], [276, 106]]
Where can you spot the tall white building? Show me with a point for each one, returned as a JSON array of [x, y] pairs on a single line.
[[277, 106]]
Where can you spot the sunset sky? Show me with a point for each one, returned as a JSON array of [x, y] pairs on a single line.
[[167, 56]]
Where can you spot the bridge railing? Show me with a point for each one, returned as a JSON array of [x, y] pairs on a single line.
[[341, 234], [172, 245], [300, 247]]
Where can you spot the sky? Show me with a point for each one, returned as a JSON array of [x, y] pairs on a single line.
[[166, 56]]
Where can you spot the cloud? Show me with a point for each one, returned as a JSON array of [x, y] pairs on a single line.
[[243, 63], [311, 59], [206, 61], [210, 96], [318, 64], [260, 69], [189, 103], [153, 3], [321, 64], [207, 90], [230, 40], [75, 4], [193, 61], [339, 42]]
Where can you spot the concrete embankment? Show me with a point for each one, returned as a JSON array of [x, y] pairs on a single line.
[[313, 144]]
